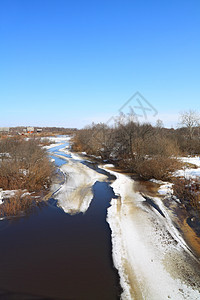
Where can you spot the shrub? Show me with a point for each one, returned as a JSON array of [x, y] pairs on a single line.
[[157, 167], [26, 167], [188, 192], [16, 204], [135, 147]]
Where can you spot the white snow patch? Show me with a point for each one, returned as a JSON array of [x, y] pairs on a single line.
[[166, 188], [52, 145], [1, 197], [5, 154], [74, 156], [11, 193], [59, 139], [8, 193], [109, 166], [189, 172], [156, 181], [192, 160]]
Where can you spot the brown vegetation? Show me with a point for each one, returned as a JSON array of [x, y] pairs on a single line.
[[24, 165], [143, 149], [188, 192], [149, 151], [16, 204]]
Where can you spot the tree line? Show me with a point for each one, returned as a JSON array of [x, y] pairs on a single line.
[[150, 151]]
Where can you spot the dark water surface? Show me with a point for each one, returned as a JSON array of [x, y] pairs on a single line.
[[57, 256]]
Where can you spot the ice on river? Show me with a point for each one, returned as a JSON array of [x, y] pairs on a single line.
[[152, 258], [76, 194]]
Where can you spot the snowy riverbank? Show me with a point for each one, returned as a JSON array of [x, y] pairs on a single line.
[[153, 260]]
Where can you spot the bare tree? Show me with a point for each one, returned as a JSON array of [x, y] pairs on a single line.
[[190, 119], [159, 124]]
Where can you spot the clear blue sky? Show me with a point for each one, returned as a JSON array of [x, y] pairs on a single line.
[[68, 63]]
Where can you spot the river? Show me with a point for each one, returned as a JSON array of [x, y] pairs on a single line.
[[50, 254]]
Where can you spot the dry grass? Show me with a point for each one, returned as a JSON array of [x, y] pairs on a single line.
[[27, 167], [188, 192], [16, 204]]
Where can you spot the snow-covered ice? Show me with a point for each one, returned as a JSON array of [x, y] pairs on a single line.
[[152, 259], [76, 194], [56, 141]]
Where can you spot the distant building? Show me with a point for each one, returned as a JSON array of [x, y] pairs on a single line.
[[4, 129], [30, 129], [39, 130]]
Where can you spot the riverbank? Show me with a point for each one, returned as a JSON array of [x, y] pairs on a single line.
[[152, 258]]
